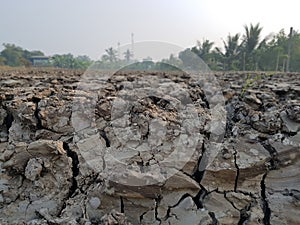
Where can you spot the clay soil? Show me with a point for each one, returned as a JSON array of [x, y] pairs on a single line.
[[54, 167]]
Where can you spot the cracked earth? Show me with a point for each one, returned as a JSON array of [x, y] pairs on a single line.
[[63, 163]]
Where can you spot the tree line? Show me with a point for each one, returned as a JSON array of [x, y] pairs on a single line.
[[277, 52], [15, 56], [249, 51]]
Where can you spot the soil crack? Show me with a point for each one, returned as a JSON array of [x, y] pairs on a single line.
[[75, 169], [237, 171], [274, 161], [266, 208]]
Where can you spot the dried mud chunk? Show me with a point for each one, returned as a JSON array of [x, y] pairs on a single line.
[[48, 173], [268, 122], [114, 218], [33, 169], [54, 114], [293, 111]]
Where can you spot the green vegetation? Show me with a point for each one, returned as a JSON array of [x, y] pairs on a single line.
[[71, 62], [252, 79], [13, 56], [246, 52], [250, 52]]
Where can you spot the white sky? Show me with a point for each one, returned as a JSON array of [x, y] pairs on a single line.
[[88, 27]]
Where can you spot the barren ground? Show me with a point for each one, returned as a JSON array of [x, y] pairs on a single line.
[[63, 163]]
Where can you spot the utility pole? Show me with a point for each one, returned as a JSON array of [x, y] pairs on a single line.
[[289, 50], [244, 61], [277, 61], [132, 45], [119, 54]]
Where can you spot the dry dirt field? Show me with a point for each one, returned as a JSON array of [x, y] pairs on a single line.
[[149, 148]]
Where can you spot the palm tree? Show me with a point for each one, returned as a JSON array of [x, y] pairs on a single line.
[[128, 55], [232, 50], [203, 49], [111, 55], [252, 36], [251, 41]]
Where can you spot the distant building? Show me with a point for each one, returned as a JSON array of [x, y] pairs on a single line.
[[40, 60]]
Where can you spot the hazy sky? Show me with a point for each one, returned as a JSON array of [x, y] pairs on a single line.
[[88, 27]]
